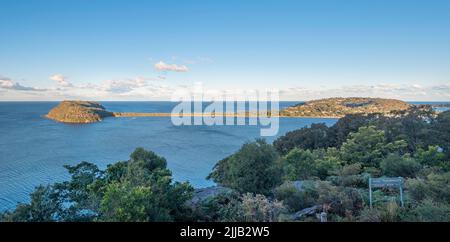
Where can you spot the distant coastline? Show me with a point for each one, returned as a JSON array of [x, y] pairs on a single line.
[[333, 108]]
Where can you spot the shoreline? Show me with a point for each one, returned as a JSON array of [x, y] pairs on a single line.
[[237, 115]]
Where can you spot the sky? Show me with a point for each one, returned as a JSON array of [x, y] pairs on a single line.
[[146, 50]]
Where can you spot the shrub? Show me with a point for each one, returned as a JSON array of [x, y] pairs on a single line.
[[395, 165], [296, 198], [252, 169], [430, 211], [258, 208], [224, 207], [299, 165], [368, 146], [435, 186], [312, 137]]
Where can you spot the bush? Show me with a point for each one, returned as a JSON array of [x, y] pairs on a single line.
[[258, 208], [370, 215], [299, 165], [232, 207], [252, 169], [395, 165], [140, 189], [430, 211], [341, 201], [224, 207], [368, 146], [430, 157], [314, 137], [296, 198], [435, 187]]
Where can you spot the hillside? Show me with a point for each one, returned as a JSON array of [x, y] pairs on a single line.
[[78, 112], [339, 107]]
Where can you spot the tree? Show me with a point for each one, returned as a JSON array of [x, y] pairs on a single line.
[[441, 129], [299, 164], [435, 186], [431, 211], [143, 191], [140, 189], [412, 126], [251, 169], [350, 124], [395, 165], [368, 146], [430, 157], [45, 205], [297, 197], [316, 136]]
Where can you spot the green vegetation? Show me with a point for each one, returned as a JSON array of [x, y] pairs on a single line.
[[339, 107], [139, 189], [304, 173], [252, 169]]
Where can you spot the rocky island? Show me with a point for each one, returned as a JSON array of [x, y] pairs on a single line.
[[78, 112], [339, 107]]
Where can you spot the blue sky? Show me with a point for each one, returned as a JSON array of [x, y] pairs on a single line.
[[108, 50]]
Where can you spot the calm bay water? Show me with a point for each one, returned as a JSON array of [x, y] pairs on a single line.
[[34, 149]]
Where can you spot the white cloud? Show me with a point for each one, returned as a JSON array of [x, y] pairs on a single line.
[[408, 92], [162, 66], [152, 88], [7, 83], [123, 86], [61, 80]]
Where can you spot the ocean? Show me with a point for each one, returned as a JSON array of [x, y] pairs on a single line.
[[34, 149]]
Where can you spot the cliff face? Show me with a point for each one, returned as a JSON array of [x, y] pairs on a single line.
[[78, 112], [339, 107]]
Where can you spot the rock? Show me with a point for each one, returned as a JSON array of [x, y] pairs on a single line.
[[306, 212], [78, 112], [201, 194], [339, 107]]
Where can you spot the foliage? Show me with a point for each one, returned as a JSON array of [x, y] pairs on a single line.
[[44, 206], [234, 207], [296, 198], [395, 165], [252, 169], [431, 211], [368, 146], [431, 157], [435, 186], [225, 207], [441, 131], [301, 164], [140, 189], [314, 137], [258, 208]]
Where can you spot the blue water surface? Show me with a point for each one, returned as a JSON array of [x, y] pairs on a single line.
[[34, 149]]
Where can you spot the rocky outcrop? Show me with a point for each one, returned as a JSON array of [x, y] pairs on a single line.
[[78, 112], [201, 194], [339, 107]]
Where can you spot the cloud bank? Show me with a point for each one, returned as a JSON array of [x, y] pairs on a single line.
[[147, 88], [162, 66], [8, 84]]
